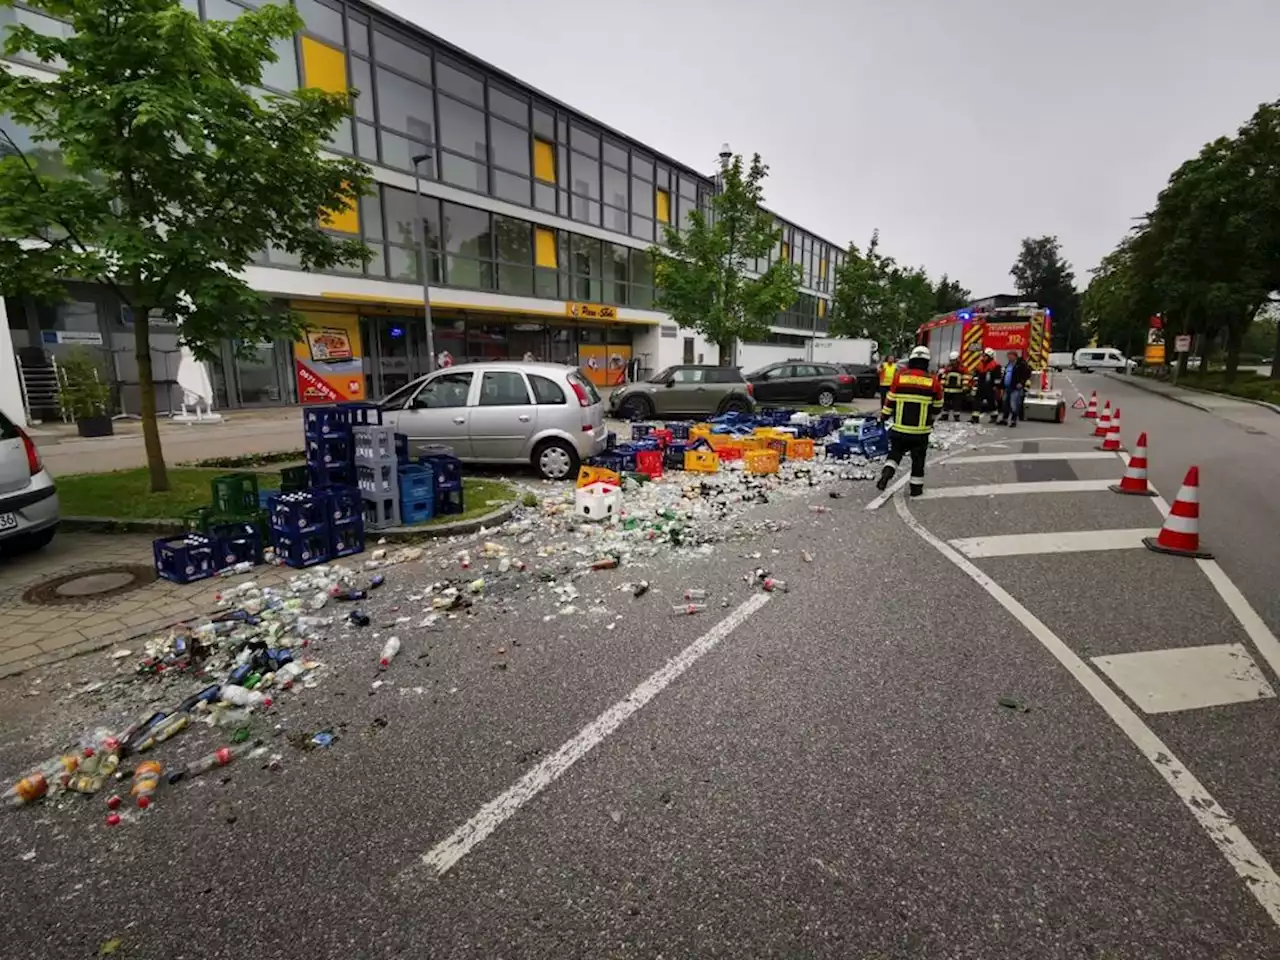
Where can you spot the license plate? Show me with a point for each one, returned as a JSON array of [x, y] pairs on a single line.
[[8, 521]]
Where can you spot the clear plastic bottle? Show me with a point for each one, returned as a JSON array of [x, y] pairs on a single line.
[[389, 651], [169, 727], [288, 673], [240, 697], [319, 600], [54, 772], [145, 780], [244, 566], [219, 758], [772, 584], [695, 594], [817, 508], [688, 609]]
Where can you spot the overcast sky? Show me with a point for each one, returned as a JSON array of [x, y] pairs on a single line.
[[955, 126]]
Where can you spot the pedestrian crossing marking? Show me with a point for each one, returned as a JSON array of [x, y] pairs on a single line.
[[1002, 489], [1187, 678], [1029, 544], [1015, 457]]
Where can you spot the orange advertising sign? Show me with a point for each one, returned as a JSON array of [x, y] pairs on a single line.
[[604, 366], [327, 360]]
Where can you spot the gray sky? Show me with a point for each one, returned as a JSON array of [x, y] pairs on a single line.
[[955, 126]]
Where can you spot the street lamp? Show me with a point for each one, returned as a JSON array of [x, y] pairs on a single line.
[[421, 233], [725, 156]]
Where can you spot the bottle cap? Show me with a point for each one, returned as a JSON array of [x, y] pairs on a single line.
[[113, 802], [113, 820]]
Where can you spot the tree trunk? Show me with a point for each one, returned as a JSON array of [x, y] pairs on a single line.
[[1206, 345], [1275, 356], [725, 351], [146, 384], [1235, 338]]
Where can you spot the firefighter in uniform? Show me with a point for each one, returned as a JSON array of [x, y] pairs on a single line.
[[986, 384], [887, 369], [952, 387], [913, 402]]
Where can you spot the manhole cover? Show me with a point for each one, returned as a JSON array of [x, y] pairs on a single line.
[[90, 584]]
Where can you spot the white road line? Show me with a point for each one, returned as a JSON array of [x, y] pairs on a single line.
[[1073, 541], [1187, 678], [493, 814], [1258, 876], [1015, 457], [1001, 489]]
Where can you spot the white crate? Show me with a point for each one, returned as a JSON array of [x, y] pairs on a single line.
[[598, 501]]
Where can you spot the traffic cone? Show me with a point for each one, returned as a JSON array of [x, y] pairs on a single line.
[[1180, 535], [1104, 421], [1111, 441], [1134, 480], [1091, 412]]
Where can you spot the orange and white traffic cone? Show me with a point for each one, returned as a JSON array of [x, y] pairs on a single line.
[[1180, 535], [1091, 412], [1111, 442], [1134, 480], [1104, 421]]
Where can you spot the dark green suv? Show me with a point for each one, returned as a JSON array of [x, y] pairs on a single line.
[[689, 390]]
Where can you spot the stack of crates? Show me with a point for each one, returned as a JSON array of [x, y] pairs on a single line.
[[232, 529], [301, 528], [447, 482], [327, 438], [377, 467]]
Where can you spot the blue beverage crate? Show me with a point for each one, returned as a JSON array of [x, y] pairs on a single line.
[[646, 443], [447, 470], [606, 461], [329, 451], [419, 509], [344, 503], [300, 550], [346, 537], [381, 511], [362, 414], [641, 430], [448, 502], [326, 421], [185, 558], [299, 513], [679, 429], [627, 453], [238, 546], [610, 440], [402, 448], [673, 455], [840, 450], [416, 482], [335, 475]]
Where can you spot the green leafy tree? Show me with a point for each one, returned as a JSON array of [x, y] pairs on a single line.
[[1041, 274], [1119, 301], [949, 296], [176, 174], [704, 273]]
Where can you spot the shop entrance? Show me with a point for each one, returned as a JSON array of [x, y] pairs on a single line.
[[395, 353]]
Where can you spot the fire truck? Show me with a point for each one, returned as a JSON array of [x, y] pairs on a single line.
[[1001, 324]]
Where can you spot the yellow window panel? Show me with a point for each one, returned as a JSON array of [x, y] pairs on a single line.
[[786, 250], [545, 247], [822, 308], [663, 205], [544, 161], [346, 221], [822, 269], [323, 67]]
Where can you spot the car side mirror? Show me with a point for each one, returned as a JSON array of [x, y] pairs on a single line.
[[668, 383]]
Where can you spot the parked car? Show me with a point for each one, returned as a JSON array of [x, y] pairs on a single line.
[[545, 414], [1102, 358], [866, 378], [687, 390], [28, 496], [790, 382]]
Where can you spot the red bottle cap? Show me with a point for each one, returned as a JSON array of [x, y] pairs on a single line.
[[113, 802], [144, 802], [113, 820]]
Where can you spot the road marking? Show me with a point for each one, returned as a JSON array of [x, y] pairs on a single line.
[[1074, 541], [1258, 876], [1187, 678], [1015, 457], [1000, 489], [493, 814]]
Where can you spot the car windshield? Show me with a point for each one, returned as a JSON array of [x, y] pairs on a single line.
[[662, 376]]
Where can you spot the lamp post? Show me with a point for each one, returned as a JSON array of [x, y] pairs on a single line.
[[421, 233], [725, 156]]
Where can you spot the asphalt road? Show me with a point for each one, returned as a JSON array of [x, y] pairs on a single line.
[[828, 772]]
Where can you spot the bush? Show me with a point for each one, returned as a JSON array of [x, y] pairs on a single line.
[[81, 391]]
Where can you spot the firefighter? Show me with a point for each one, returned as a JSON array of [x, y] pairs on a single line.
[[952, 387], [913, 402], [887, 369], [986, 386]]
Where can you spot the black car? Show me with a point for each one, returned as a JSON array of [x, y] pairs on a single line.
[[794, 382], [866, 378]]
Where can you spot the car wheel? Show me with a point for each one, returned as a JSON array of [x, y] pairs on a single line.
[[556, 460], [635, 408], [826, 397]]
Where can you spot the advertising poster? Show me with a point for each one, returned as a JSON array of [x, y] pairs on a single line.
[[604, 366], [327, 360]]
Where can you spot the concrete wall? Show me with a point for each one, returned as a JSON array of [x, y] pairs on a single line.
[[10, 387]]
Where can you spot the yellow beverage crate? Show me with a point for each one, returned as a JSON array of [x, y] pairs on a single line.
[[750, 443], [762, 461], [718, 440], [700, 430], [701, 461], [587, 475], [798, 449]]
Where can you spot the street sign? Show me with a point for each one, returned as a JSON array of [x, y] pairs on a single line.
[[1182, 343]]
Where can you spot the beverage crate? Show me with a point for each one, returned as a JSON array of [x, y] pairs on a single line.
[[377, 478], [679, 430], [673, 455], [762, 461], [326, 421], [641, 430], [417, 509], [415, 480], [627, 453], [607, 461], [346, 537], [730, 451], [344, 503], [243, 544], [381, 511], [610, 440], [649, 462], [778, 446], [197, 520], [362, 414], [448, 501], [300, 550], [840, 450], [373, 443], [447, 470], [299, 513], [589, 474], [235, 493], [701, 461], [402, 448], [293, 479], [333, 475], [185, 558], [799, 449], [329, 451]]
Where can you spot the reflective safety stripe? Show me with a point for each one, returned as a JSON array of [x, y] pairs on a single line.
[[1176, 524]]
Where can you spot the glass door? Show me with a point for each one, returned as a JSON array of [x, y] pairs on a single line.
[[397, 352]]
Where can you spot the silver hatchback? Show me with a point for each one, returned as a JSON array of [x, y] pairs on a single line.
[[545, 414], [28, 497]]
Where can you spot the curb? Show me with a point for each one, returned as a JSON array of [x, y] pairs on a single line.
[[1141, 385]]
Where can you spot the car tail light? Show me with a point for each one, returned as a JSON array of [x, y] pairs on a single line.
[[33, 455], [845, 378], [581, 394], [751, 389]]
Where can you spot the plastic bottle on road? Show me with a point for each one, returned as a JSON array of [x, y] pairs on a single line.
[[695, 594], [389, 651], [348, 595], [772, 584], [240, 697], [53, 772], [169, 727], [145, 780], [244, 566], [219, 758], [289, 673], [817, 508], [688, 609]]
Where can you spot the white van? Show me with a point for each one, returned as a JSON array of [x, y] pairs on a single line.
[[1060, 361], [1101, 358]]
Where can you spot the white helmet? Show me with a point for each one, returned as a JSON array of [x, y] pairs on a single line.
[[919, 353], [989, 352], [955, 355]]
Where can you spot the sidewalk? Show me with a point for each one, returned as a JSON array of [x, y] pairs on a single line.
[[1252, 414]]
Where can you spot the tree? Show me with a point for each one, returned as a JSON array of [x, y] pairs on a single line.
[[1119, 301], [703, 272], [949, 296], [1041, 274], [176, 173]]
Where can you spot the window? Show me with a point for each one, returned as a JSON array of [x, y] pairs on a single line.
[[446, 390], [399, 152], [503, 389], [514, 240], [371, 217], [615, 274], [463, 85], [664, 205], [402, 209], [642, 228], [777, 373], [358, 33], [508, 106], [586, 176], [723, 375], [544, 125], [510, 146], [283, 74], [462, 129], [362, 81], [398, 54], [405, 106], [507, 186], [688, 375], [321, 20], [547, 391], [544, 161], [585, 263], [545, 247], [615, 154], [615, 188], [584, 141], [463, 173], [642, 166], [469, 245]]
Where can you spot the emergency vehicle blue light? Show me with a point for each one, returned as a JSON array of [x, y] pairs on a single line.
[[963, 316]]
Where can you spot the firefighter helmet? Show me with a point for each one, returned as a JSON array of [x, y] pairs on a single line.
[[955, 355], [920, 353], [989, 352]]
